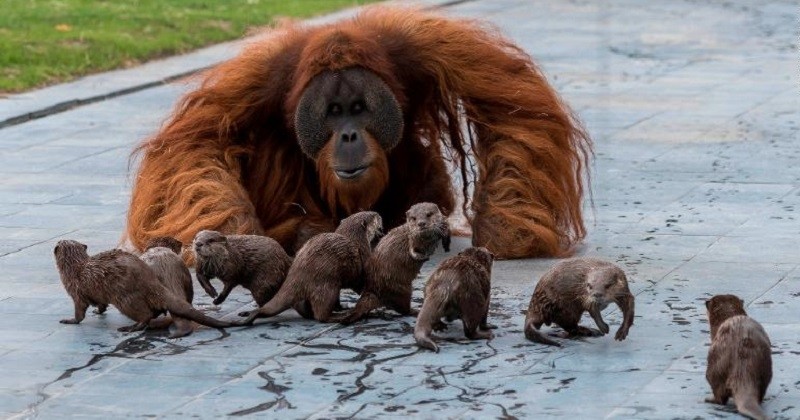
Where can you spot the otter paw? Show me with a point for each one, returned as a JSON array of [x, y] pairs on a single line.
[[69, 321], [621, 334], [587, 332], [180, 332], [481, 335], [439, 326], [210, 290], [132, 328], [245, 313]]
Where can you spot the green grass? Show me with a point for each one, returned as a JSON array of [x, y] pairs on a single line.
[[49, 41]]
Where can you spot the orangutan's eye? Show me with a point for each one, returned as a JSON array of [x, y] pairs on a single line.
[[357, 107], [334, 109]]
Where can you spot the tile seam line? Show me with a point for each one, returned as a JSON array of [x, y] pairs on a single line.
[[77, 103], [38, 243], [71, 104]]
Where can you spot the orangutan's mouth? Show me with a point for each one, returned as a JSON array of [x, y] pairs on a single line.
[[351, 173]]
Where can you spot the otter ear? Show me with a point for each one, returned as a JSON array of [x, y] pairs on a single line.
[[708, 303], [56, 249], [741, 301], [85, 247]]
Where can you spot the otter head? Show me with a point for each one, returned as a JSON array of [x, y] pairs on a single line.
[[166, 242], [367, 223], [480, 254], [422, 216], [210, 244], [721, 307], [602, 286], [68, 253]]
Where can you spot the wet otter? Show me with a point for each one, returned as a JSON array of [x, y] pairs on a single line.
[[460, 288], [121, 279], [257, 263], [162, 256], [327, 263], [396, 260], [572, 287], [739, 359]]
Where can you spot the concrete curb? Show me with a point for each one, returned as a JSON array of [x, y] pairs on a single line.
[[27, 106]]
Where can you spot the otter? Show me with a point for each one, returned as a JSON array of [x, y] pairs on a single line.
[[572, 287], [168, 242], [257, 263], [739, 359], [121, 279], [162, 256], [325, 264], [460, 287], [397, 259]]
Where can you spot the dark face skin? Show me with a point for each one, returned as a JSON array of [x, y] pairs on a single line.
[[350, 108]]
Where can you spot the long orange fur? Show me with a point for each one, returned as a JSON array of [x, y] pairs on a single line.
[[228, 158]]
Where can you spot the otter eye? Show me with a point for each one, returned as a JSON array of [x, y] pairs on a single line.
[[430, 214], [357, 107], [334, 109], [412, 218]]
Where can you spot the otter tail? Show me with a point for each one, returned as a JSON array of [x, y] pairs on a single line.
[[282, 301], [366, 304], [533, 334], [424, 341], [181, 308], [747, 403], [427, 316]]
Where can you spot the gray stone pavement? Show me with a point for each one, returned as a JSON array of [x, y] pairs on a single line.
[[693, 106]]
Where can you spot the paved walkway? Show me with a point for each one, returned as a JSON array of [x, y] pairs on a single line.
[[694, 109]]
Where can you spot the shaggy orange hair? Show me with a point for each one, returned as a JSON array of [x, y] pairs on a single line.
[[228, 158]]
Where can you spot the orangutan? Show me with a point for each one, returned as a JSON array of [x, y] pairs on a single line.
[[314, 123]]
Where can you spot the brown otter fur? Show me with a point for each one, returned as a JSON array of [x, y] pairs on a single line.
[[573, 287], [460, 288], [257, 263], [168, 242], [396, 260], [739, 359], [162, 256], [326, 264], [121, 279]]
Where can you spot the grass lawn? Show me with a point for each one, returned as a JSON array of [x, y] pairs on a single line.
[[49, 41]]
